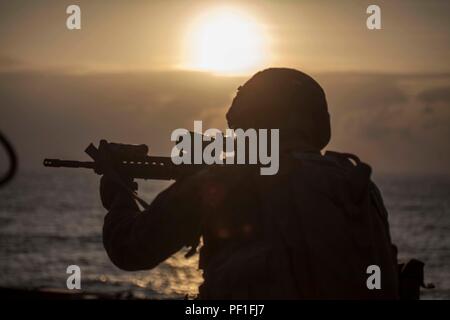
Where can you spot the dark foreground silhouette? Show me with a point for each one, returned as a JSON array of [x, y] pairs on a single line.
[[316, 230], [309, 232]]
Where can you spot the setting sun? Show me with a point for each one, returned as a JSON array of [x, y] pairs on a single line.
[[225, 41]]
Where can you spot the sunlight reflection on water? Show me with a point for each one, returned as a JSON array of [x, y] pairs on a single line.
[[49, 220]]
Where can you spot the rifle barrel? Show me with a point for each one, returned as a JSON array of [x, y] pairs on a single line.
[[158, 168], [69, 163]]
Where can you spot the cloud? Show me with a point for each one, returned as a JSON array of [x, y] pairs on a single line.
[[383, 120], [435, 95], [9, 63], [59, 114], [55, 114]]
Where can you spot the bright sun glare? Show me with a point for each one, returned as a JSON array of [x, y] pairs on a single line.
[[225, 41]]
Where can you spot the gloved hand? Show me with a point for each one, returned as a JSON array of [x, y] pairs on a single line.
[[113, 194]]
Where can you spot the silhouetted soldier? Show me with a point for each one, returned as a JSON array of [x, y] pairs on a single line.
[[309, 231]]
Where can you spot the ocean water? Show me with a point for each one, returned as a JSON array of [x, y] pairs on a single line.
[[53, 218]]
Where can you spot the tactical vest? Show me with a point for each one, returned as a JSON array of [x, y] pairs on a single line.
[[309, 232]]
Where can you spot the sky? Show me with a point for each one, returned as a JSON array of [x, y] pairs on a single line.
[[139, 69], [151, 35]]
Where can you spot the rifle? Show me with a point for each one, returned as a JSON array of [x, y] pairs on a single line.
[[128, 160], [122, 162]]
